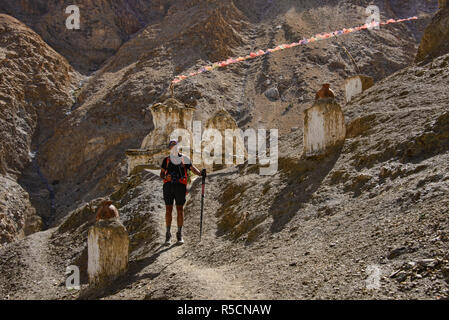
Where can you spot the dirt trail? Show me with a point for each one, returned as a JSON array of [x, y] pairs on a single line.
[[176, 272], [204, 282], [41, 269], [31, 271]]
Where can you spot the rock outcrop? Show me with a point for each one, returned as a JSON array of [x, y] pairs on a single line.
[[36, 90], [324, 127], [104, 25], [434, 42], [18, 217]]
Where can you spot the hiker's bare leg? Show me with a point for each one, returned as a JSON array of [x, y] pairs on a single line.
[[168, 215], [180, 210], [168, 219]]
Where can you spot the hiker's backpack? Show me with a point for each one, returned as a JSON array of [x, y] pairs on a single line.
[[183, 180]]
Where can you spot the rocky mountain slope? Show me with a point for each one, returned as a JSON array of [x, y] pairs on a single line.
[[104, 26], [85, 158], [294, 235], [36, 91], [434, 41]]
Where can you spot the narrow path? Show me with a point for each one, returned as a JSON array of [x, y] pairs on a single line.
[[30, 271], [175, 272]]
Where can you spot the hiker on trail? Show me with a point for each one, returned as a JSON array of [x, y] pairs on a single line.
[[174, 170], [325, 92]]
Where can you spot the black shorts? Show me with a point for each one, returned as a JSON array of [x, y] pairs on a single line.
[[175, 191]]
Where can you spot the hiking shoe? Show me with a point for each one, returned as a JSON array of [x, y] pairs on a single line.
[[179, 238], [167, 238]]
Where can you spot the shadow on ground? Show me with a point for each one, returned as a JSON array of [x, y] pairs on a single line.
[[303, 177], [131, 276]]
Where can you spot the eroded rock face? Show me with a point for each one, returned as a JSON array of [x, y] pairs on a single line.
[[108, 245], [105, 25], [324, 127], [36, 90], [434, 42], [17, 216]]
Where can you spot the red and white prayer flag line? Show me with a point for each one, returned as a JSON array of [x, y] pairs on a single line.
[[318, 37]]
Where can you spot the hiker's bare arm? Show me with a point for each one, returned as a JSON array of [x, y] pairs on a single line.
[[164, 175], [195, 170]]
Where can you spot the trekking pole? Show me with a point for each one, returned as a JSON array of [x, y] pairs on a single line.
[[203, 179]]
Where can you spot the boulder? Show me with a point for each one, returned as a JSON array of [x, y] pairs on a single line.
[[272, 93], [434, 41]]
